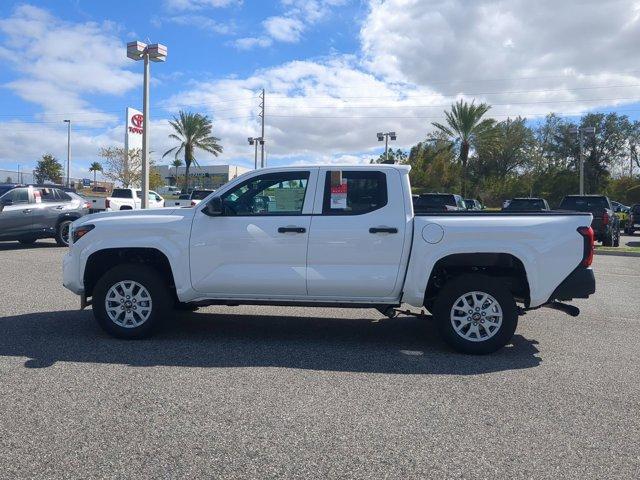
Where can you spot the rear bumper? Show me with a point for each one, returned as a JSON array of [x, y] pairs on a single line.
[[581, 283]]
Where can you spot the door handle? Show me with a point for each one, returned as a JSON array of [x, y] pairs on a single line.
[[59, 207], [291, 229], [28, 210], [383, 230]]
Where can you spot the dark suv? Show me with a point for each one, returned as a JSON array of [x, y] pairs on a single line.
[[633, 222], [605, 224], [526, 205], [28, 213], [438, 202]]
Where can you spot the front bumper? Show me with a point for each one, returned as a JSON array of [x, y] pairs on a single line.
[[71, 274], [581, 283]]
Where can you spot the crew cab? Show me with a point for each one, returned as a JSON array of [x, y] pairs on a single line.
[[605, 224], [328, 235]]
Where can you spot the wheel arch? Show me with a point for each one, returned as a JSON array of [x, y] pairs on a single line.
[[502, 265], [101, 261]]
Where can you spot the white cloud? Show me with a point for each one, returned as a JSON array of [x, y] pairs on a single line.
[[60, 63], [566, 49], [248, 43], [202, 22], [284, 29], [199, 4], [298, 15]]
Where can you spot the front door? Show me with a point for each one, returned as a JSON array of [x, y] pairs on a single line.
[[357, 235], [258, 247], [15, 214]]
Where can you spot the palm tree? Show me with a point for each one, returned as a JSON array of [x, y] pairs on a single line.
[[177, 163], [95, 168], [192, 130], [465, 128]]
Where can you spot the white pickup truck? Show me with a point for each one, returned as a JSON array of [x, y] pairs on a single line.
[[125, 199], [340, 236]]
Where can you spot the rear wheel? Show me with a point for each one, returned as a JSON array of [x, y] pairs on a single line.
[[616, 240], [608, 240], [62, 233], [129, 301], [476, 314]]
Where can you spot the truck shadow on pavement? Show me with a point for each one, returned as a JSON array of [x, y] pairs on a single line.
[[404, 345], [7, 246]]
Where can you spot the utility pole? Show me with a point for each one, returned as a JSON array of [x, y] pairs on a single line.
[[68, 122], [386, 136], [262, 107], [255, 141], [580, 131]]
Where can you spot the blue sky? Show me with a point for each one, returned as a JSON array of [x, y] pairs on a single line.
[[335, 71]]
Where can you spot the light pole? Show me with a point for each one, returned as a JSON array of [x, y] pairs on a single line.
[[68, 122], [386, 137], [255, 141], [580, 131], [154, 53]]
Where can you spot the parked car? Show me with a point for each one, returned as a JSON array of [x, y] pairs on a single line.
[[125, 199], [633, 222], [331, 236], [28, 213], [605, 224], [438, 202], [472, 204], [619, 207], [526, 205]]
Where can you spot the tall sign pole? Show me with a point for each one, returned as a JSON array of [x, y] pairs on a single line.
[[68, 122], [262, 106], [581, 161], [145, 134]]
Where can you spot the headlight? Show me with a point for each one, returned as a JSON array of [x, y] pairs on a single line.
[[81, 231]]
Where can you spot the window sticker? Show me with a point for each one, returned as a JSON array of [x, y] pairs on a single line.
[[339, 195]]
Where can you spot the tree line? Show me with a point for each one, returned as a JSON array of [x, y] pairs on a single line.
[[491, 160]]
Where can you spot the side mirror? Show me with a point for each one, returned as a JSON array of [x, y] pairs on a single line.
[[214, 207]]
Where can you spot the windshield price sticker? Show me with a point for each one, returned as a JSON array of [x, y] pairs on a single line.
[[339, 195]]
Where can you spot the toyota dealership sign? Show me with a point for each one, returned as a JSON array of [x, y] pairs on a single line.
[[133, 134]]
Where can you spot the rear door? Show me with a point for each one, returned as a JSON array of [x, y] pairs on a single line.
[[357, 234]]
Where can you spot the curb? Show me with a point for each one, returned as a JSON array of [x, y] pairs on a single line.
[[618, 254]]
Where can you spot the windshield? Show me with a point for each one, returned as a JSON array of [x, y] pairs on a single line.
[[584, 204], [526, 204]]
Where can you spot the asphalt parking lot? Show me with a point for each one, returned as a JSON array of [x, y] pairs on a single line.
[[257, 392]]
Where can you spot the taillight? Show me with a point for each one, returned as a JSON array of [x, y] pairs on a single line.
[[107, 203], [587, 256], [605, 218], [193, 204], [87, 205]]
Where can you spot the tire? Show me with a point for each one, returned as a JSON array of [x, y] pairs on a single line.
[[62, 233], [467, 336], [131, 323], [608, 241], [27, 241], [616, 240]]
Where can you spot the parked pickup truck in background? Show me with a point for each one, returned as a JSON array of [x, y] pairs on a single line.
[[526, 205], [191, 200], [606, 224], [633, 222], [125, 199], [328, 235]]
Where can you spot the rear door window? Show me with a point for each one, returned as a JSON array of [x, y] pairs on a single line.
[[121, 193], [354, 192], [17, 195]]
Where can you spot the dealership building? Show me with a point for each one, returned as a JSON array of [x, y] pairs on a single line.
[[205, 176]]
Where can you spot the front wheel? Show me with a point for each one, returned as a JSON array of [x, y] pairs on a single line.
[[130, 300], [476, 314]]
